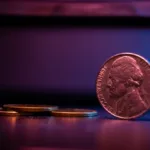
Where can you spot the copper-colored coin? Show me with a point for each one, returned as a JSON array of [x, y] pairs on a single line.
[[7, 113], [30, 108], [123, 85], [70, 112]]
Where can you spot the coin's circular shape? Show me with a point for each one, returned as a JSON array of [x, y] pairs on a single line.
[[70, 112], [123, 85], [30, 108], [8, 113]]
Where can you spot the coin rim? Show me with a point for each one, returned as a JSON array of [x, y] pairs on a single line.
[[116, 55], [63, 113], [9, 112], [30, 109]]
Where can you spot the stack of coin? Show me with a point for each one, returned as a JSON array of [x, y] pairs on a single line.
[[123, 85]]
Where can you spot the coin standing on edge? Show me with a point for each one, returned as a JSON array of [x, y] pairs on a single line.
[[70, 112], [123, 85], [30, 108]]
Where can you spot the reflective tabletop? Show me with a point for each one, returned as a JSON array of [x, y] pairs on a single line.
[[55, 133]]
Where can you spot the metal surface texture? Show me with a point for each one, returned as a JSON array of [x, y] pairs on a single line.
[[123, 86]]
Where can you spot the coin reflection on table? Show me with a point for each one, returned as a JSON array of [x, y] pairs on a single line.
[[125, 135], [70, 112]]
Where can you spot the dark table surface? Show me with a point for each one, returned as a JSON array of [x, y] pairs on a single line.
[[55, 133]]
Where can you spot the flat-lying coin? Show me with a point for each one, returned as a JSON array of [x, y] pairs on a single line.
[[7, 113], [123, 85], [70, 112], [30, 108]]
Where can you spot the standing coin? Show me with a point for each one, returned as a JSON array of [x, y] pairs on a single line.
[[123, 85]]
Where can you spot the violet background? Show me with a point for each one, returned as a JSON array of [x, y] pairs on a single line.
[[61, 59]]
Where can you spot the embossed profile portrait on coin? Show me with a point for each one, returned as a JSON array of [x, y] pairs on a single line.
[[124, 85]]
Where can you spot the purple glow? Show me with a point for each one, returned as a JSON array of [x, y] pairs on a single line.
[[64, 59]]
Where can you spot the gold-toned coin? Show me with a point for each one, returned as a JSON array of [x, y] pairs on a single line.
[[8, 113], [70, 112], [30, 108]]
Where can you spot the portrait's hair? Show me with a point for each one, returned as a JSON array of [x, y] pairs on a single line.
[[126, 71]]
